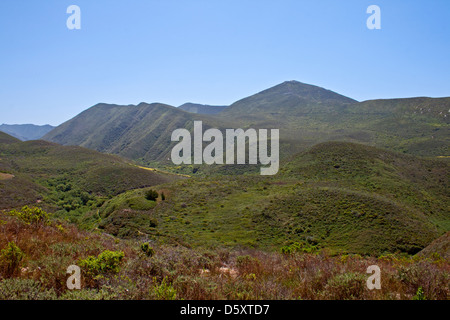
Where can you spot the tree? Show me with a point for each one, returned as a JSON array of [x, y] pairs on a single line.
[[151, 195]]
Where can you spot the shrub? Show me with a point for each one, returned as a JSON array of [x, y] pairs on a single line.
[[244, 261], [420, 294], [107, 261], [10, 259], [33, 215], [299, 247], [165, 290], [163, 196], [24, 289], [145, 247], [151, 195], [345, 286]]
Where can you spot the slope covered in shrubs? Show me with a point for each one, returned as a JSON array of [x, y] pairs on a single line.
[[40, 252]]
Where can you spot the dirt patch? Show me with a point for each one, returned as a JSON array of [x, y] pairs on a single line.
[[6, 176]]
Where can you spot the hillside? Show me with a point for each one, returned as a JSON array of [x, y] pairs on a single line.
[[340, 196], [305, 114], [115, 269], [26, 132], [139, 132], [65, 178], [439, 248], [201, 108]]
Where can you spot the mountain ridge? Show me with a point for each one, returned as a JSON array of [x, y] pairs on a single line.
[[305, 114]]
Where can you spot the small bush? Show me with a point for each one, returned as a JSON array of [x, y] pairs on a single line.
[[31, 216], [107, 261], [347, 286], [10, 259], [165, 290], [420, 294], [299, 247], [151, 195], [145, 247]]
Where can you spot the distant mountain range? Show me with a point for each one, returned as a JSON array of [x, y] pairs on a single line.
[[305, 114], [26, 132]]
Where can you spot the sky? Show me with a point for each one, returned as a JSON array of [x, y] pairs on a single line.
[[213, 52]]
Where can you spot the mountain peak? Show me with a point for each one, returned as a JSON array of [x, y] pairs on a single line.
[[309, 92], [290, 97]]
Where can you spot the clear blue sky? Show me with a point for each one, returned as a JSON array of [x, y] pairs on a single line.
[[213, 52]]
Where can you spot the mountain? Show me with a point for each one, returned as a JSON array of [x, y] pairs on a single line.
[[140, 132], [305, 114], [65, 178], [290, 97], [201, 108], [26, 132]]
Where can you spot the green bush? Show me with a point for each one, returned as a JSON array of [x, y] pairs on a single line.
[[420, 294], [10, 259], [151, 195], [299, 247], [145, 247], [33, 215], [107, 261], [24, 289], [164, 291]]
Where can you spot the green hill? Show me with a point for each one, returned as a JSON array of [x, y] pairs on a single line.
[[65, 178], [290, 97], [340, 196], [7, 139], [139, 132]]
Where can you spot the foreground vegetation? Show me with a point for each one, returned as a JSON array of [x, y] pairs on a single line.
[[36, 251]]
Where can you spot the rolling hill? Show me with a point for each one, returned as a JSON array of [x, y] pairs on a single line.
[[341, 196], [62, 177]]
